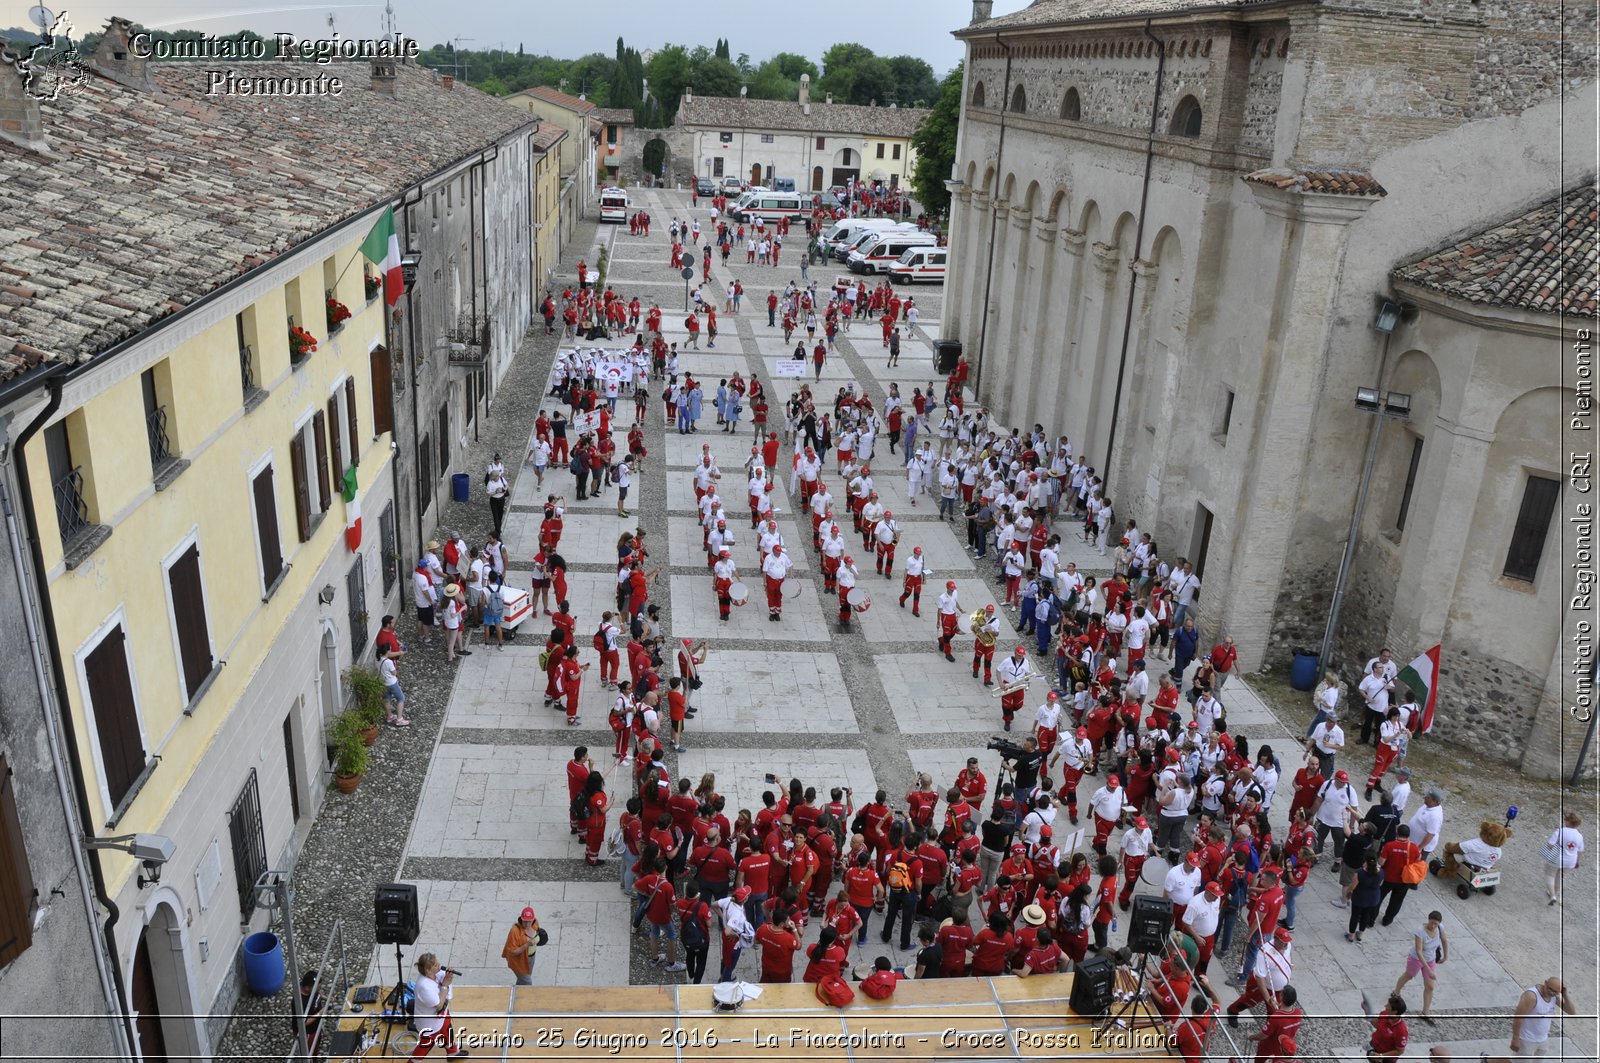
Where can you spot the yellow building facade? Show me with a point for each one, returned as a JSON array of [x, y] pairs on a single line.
[[546, 178]]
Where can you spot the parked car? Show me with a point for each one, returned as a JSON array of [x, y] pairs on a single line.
[[732, 186], [704, 186]]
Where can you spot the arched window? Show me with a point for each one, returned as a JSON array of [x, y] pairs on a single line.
[[1071, 106], [977, 95], [1019, 101], [1186, 118]]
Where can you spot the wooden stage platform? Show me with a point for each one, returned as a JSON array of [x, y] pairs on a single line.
[[941, 1019]]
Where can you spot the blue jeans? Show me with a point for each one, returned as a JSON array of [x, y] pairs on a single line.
[[865, 912], [683, 421], [753, 910], [1251, 949], [1024, 795], [1290, 893], [903, 903], [1321, 717], [1177, 616], [947, 507], [726, 974], [1230, 917], [1028, 605]]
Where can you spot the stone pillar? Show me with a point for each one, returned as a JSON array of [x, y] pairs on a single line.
[[1060, 311], [1012, 277], [977, 239], [1250, 546], [1036, 353], [1136, 381], [958, 259], [1091, 397], [991, 357]]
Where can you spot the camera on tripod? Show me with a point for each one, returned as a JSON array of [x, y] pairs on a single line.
[[1007, 749]]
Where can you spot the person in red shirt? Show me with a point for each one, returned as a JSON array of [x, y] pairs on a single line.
[[1307, 781], [1389, 1034], [935, 866], [779, 941], [826, 957], [802, 871], [1001, 900], [965, 877], [921, 802], [712, 865], [875, 821], [992, 945], [973, 785], [1395, 856], [578, 769], [1194, 1030], [956, 939], [1171, 987], [1105, 899], [571, 681], [1045, 957], [683, 805], [595, 803], [656, 889], [843, 917], [864, 889], [755, 872], [1283, 1022]]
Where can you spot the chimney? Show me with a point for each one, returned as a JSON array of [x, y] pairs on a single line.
[[981, 10], [688, 94], [20, 120], [828, 98], [872, 102], [805, 90], [383, 77], [115, 59], [447, 80]]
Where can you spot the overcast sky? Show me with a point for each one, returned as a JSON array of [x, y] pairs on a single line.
[[566, 30]]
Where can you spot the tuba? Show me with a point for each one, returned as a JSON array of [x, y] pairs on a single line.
[[976, 621]]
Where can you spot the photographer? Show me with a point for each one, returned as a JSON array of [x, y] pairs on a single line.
[[1024, 762]]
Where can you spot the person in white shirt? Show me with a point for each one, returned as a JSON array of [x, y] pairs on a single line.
[[775, 568], [432, 1021], [1325, 699], [1428, 823], [1137, 687], [1106, 804], [1185, 588], [1201, 919], [1327, 738], [1136, 844], [424, 597], [1335, 812], [1385, 660], [1563, 852], [848, 576], [1374, 689], [1207, 712]]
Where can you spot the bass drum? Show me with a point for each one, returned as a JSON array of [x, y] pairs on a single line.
[[1154, 871], [858, 599], [738, 593]]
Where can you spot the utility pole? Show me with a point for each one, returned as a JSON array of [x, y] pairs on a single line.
[[459, 65]]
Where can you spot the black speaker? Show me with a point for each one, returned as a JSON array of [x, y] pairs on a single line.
[[1091, 985], [394, 910], [946, 354], [1150, 924]]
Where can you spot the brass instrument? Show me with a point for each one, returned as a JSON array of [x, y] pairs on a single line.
[[1011, 688]]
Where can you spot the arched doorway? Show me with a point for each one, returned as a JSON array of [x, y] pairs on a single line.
[[161, 992], [329, 690], [846, 166], [816, 178], [755, 174]]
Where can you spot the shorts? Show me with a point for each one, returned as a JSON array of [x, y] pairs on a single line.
[[666, 930], [539, 468], [1415, 966], [1532, 1049], [622, 495], [392, 692], [540, 584], [425, 615], [492, 617]]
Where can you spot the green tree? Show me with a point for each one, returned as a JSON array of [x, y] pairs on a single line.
[[716, 77], [722, 49], [669, 72], [912, 81], [841, 65], [935, 144]]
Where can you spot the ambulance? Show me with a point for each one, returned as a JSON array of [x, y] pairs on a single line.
[[613, 205]]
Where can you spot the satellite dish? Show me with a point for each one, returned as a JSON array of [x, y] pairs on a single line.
[[42, 17]]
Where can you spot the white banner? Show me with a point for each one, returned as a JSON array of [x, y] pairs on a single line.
[[789, 367], [586, 422]]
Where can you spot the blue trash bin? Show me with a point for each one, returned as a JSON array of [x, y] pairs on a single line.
[[461, 487], [263, 963], [1303, 673]]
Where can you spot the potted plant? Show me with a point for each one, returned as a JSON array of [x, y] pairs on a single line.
[[350, 756], [338, 314], [373, 286], [301, 343], [366, 700]]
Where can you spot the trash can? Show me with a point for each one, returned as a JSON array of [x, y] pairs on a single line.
[[263, 963], [946, 353], [1303, 673], [461, 487]]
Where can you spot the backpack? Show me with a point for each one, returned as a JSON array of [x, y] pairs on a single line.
[[600, 638], [579, 808], [899, 875], [577, 465], [879, 985], [694, 928], [835, 991], [544, 660]]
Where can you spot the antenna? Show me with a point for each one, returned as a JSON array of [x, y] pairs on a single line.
[[330, 24], [458, 65], [388, 21]]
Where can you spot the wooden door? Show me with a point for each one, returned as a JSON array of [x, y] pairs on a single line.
[[152, 1039]]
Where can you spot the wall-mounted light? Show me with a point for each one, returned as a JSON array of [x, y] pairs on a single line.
[[1397, 404], [1388, 317], [151, 850], [1368, 399], [326, 594]]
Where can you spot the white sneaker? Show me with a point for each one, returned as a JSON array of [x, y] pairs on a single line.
[[676, 967]]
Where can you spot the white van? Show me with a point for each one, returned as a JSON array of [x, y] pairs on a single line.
[[877, 254], [769, 207], [857, 240], [919, 264], [613, 205], [846, 231]]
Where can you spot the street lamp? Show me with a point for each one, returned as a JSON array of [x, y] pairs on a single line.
[[1383, 406]]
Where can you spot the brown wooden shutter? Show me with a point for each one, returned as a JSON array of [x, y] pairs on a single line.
[[189, 610], [16, 879], [319, 432], [355, 423], [116, 721], [337, 468], [382, 391], [302, 490], [267, 526]]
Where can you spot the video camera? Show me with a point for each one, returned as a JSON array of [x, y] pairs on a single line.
[[1007, 749]]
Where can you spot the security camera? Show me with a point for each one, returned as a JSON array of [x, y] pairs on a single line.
[[152, 849]]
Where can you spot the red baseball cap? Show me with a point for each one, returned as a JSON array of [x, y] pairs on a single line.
[[1112, 780], [1141, 822], [1214, 888], [1283, 935], [1083, 732], [741, 894], [1341, 776], [1193, 859], [950, 585], [527, 913], [1053, 696]]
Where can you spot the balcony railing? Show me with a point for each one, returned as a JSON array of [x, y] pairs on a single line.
[[247, 370], [468, 342], [72, 512]]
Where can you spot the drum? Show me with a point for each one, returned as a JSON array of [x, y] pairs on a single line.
[[858, 599], [739, 593], [1154, 871]]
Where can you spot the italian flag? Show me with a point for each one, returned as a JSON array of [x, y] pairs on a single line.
[[1422, 676], [382, 246]]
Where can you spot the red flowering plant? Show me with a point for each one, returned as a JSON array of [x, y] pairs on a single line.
[[374, 285], [338, 314], [301, 342]]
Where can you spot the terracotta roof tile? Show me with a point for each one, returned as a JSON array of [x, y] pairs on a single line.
[[559, 98], [734, 112], [1544, 260], [1042, 13], [1324, 182], [150, 201]]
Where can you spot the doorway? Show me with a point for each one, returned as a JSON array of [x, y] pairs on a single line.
[[816, 178], [1200, 541], [152, 1040], [755, 174], [161, 992], [845, 177], [332, 695]]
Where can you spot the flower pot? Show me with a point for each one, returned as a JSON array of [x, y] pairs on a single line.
[[347, 783], [369, 735]]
